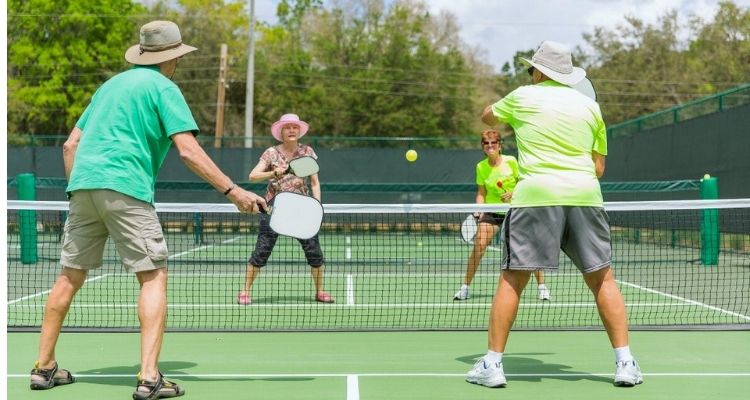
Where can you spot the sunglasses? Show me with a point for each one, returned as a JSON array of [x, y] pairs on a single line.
[[489, 143], [530, 70]]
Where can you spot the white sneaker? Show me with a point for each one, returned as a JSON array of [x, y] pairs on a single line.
[[627, 373], [543, 292], [491, 375], [463, 294]]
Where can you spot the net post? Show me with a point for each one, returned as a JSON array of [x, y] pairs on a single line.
[[27, 219], [710, 222]]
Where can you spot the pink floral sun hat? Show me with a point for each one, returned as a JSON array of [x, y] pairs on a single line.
[[288, 119]]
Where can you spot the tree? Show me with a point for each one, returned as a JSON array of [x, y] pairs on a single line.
[[640, 68], [207, 24], [720, 53], [367, 69], [58, 53]]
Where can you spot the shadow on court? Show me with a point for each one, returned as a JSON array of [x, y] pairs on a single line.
[[171, 370], [475, 296], [534, 368], [285, 299]]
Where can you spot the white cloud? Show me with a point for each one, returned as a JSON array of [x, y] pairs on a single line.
[[502, 27], [266, 11], [506, 26]]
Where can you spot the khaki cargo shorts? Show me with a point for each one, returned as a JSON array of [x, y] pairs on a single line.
[[132, 224]]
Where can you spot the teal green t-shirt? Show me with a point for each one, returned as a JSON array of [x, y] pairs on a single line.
[[556, 128], [497, 180], [126, 133]]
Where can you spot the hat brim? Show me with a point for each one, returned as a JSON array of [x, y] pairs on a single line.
[[566, 79], [133, 54], [276, 128]]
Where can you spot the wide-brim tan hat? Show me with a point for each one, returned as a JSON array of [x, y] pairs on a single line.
[[554, 60], [160, 41]]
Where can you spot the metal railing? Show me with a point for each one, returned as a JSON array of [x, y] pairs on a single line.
[[696, 108]]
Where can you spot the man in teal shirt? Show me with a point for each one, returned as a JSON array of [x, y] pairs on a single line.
[[557, 204], [112, 158]]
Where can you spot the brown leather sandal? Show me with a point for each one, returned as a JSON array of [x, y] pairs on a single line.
[[51, 378], [158, 389]]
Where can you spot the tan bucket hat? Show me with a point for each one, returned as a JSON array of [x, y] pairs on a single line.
[[554, 60], [160, 41]]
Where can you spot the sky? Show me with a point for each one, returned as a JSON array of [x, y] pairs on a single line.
[[502, 27]]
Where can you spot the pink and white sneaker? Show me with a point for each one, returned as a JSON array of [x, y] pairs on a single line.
[[244, 299], [323, 297]]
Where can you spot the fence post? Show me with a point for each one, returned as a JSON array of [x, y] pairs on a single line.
[[710, 237], [27, 219]]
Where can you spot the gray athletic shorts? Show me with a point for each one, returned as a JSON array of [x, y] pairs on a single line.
[[96, 215], [533, 236]]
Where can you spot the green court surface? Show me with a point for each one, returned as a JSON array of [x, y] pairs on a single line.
[[381, 281], [393, 365]]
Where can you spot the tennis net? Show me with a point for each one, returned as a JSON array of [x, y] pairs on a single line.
[[392, 267]]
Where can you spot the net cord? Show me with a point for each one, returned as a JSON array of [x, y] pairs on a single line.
[[408, 208]]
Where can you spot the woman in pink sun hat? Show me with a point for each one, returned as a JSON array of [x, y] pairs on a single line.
[[272, 167]]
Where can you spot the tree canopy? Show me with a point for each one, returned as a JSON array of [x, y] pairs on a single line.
[[353, 68], [59, 52]]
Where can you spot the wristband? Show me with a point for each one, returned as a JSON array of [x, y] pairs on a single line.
[[230, 189]]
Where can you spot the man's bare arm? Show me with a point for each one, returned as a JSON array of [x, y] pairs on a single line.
[[69, 150], [599, 163], [196, 159], [488, 117]]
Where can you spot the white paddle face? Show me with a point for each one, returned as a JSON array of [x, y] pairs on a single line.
[[469, 229], [303, 166], [586, 87], [296, 215]]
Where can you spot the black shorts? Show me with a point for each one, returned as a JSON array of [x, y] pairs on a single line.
[[492, 218], [267, 240]]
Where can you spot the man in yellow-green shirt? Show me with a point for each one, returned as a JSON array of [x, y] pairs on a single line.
[[557, 204]]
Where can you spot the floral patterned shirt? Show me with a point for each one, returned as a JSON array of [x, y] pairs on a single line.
[[274, 158]]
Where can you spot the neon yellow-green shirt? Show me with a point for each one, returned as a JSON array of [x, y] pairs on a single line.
[[557, 128], [497, 180]]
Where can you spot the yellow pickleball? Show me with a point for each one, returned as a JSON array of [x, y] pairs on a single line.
[[411, 155]]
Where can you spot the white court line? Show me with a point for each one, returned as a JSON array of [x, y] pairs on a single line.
[[686, 300], [348, 251], [352, 387], [343, 274], [31, 296], [387, 305], [489, 247], [447, 375], [349, 289], [234, 239]]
